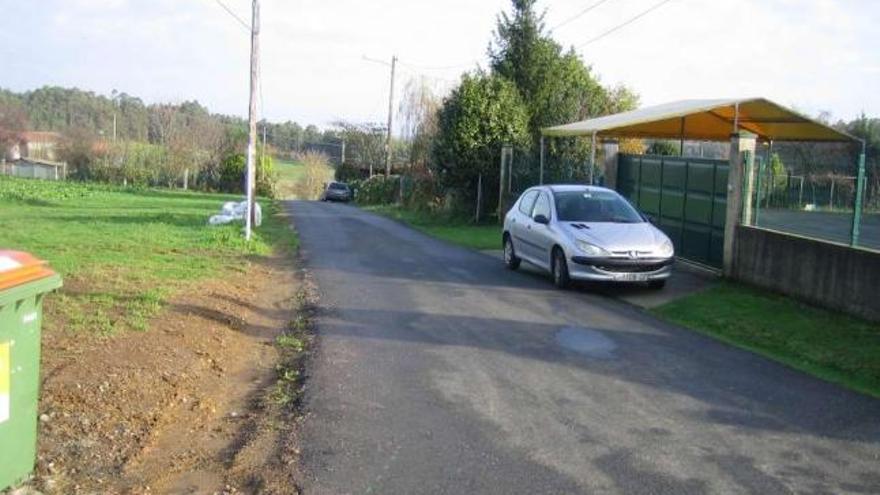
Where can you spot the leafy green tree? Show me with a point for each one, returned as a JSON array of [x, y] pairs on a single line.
[[556, 85], [663, 148], [483, 113]]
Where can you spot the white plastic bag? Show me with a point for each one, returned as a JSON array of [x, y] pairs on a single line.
[[232, 211]]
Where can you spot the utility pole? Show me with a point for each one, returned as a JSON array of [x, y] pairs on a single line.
[[250, 178], [390, 115]]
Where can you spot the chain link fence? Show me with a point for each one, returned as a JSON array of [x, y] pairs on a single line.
[[795, 194]]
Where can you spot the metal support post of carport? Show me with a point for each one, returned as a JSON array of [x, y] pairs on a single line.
[[860, 191]]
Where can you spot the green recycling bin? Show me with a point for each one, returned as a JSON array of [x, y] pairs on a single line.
[[24, 281]]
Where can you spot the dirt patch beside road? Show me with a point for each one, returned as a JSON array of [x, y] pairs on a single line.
[[190, 406]]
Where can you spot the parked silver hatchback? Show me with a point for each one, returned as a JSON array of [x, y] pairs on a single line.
[[578, 232]]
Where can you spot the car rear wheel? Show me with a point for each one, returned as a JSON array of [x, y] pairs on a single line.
[[561, 277], [510, 258]]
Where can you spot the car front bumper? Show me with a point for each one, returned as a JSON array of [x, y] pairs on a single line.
[[620, 269]]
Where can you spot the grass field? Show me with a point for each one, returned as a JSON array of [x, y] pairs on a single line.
[[290, 173], [289, 170], [122, 252], [458, 231], [826, 344]]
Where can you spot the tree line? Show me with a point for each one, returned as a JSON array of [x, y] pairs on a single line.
[[531, 82], [452, 145], [153, 144]]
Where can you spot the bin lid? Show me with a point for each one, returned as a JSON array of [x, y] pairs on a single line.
[[18, 268]]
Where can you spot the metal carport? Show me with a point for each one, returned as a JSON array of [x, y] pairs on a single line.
[[742, 121]]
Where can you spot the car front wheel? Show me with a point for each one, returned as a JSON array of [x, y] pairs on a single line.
[[561, 277], [510, 258]]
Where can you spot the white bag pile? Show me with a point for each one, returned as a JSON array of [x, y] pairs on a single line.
[[233, 211]]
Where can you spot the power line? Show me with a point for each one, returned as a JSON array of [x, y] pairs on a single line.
[[376, 61], [445, 67], [578, 15], [625, 23], [231, 12]]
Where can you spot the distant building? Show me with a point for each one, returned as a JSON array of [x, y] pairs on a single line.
[[12, 153], [40, 145], [34, 157]]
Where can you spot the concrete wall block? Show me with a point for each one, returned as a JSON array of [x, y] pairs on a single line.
[[826, 274]]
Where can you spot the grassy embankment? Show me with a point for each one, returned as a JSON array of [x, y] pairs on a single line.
[[455, 230], [832, 346], [289, 174], [123, 252]]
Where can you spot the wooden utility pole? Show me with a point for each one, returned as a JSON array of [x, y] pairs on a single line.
[[250, 178], [390, 119]]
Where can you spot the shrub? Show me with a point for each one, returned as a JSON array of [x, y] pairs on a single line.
[[377, 190], [318, 173], [348, 172], [232, 173]]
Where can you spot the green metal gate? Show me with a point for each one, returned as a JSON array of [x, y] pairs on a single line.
[[685, 197]]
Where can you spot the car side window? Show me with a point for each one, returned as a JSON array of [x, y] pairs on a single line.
[[526, 203], [542, 206]]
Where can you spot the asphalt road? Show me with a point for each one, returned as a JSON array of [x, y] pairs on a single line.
[[439, 371]]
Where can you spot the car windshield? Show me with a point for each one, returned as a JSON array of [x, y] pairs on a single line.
[[338, 186], [594, 206]]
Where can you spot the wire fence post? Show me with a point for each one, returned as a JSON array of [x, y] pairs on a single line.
[[592, 157], [541, 175], [757, 212], [501, 186], [479, 198], [509, 169], [860, 187]]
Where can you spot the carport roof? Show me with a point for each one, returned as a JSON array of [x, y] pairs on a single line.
[[711, 120]]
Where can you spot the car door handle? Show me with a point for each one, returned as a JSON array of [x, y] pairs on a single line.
[[529, 227]]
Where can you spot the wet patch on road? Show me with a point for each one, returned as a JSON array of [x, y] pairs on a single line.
[[591, 343]]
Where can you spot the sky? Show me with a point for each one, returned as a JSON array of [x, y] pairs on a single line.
[[813, 55]]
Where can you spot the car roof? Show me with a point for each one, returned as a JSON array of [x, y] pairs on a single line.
[[570, 187]]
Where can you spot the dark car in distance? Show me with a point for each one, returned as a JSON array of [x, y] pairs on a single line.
[[337, 191]]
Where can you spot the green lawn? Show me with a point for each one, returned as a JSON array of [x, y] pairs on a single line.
[[122, 252], [458, 231], [289, 170], [829, 345]]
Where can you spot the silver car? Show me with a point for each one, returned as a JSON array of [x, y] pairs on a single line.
[[580, 232], [337, 191]]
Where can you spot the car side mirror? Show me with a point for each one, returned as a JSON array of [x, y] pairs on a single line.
[[541, 219]]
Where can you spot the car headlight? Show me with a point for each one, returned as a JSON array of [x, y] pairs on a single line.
[[666, 250], [591, 249]]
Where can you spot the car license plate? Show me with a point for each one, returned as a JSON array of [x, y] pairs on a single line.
[[631, 277]]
